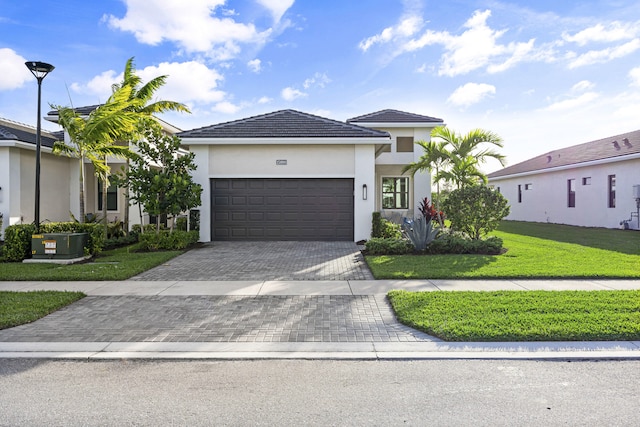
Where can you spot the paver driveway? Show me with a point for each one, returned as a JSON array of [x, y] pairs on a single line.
[[265, 261]]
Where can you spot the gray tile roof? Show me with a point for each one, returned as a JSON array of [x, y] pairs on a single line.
[[606, 148], [393, 116], [14, 131], [284, 124], [83, 111]]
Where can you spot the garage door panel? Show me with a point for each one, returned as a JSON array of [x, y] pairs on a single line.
[[282, 209]]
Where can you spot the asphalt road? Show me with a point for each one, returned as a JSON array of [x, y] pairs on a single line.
[[283, 393]]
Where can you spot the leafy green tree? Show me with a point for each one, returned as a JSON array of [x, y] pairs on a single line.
[[475, 210], [92, 137], [142, 102], [159, 178]]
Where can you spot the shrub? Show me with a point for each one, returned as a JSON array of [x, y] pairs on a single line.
[[117, 242], [457, 244], [475, 210], [181, 223], [376, 225], [382, 246], [168, 241], [430, 212], [383, 228], [17, 242]]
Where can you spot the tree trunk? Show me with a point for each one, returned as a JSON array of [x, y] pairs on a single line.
[[81, 190], [125, 221], [105, 188]]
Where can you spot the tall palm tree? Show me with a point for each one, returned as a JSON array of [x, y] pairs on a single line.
[[471, 144], [91, 137], [142, 97]]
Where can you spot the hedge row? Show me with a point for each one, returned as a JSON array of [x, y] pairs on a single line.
[[17, 238], [445, 244]]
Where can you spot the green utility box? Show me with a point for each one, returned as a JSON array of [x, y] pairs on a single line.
[[58, 245]]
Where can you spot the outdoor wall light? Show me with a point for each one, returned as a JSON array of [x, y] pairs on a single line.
[[39, 71], [364, 191]]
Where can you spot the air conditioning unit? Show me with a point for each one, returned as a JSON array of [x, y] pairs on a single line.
[[636, 191]]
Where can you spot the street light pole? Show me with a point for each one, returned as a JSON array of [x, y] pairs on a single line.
[[40, 71]]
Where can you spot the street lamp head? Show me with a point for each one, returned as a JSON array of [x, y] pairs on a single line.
[[39, 69]]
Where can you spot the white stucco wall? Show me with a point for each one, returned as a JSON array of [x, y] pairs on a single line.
[[546, 201]]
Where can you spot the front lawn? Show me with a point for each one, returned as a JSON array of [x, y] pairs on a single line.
[[534, 251], [17, 308], [522, 316], [116, 264]]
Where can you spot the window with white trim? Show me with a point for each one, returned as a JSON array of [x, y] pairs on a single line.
[[395, 193]]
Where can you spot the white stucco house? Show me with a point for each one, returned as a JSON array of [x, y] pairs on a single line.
[[17, 176], [595, 184], [289, 175]]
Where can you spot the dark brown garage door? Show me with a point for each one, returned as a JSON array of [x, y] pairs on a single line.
[[282, 209]]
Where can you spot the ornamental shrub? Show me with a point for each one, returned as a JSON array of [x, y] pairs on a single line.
[[382, 246], [17, 242], [475, 210], [168, 241]]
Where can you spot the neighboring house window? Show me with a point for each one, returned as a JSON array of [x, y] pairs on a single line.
[[586, 180], [404, 144], [571, 193], [528, 186], [612, 191], [395, 193], [519, 193], [112, 197]]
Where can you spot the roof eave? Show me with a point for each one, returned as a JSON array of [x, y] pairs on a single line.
[[287, 141], [399, 124], [566, 167]]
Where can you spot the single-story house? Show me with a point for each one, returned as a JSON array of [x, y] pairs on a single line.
[[17, 176], [290, 175], [595, 184]]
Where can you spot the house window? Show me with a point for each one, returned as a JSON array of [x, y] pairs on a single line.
[[528, 186], [571, 193], [404, 144], [519, 193], [586, 180], [112, 197], [612, 191], [395, 193]]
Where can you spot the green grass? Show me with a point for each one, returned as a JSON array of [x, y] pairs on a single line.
[[535, 251], [116, 264], [522, 316], [17, 308]]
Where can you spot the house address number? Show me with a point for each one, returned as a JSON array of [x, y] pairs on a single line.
[[281, 162]]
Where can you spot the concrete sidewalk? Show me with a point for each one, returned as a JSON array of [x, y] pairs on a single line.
[[347, 319]]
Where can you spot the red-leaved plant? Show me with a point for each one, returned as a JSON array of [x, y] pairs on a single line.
[[429, 212]]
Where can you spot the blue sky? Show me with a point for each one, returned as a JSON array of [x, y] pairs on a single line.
[[542, 74]]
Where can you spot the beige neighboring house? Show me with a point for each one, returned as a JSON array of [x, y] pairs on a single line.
[[595, 184], [17, 176], [290, 175]]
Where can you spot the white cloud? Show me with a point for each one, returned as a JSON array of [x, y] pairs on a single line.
[[407, 27], [190, 24], [634, 74], [605, 55], [226, 107], [317, 80], [471, 93], [187, 82], [613, 32], [255, 65], [14, 72], [277, 8], [570, 104], [582, 86], [264, 100], [289, 94]]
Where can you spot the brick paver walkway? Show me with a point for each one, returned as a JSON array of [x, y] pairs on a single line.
[[219, 319], [265, 261]]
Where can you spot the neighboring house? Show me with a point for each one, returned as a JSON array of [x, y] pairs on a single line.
[[116, 197], [596, 184], [289, 175], [17, 176]]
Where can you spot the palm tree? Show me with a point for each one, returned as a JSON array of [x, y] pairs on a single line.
[[91, 137], [141, 96], [463, 146]]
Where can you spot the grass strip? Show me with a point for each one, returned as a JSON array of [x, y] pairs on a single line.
[[535, 251], [18, 308], [116, 264], [521, 315]]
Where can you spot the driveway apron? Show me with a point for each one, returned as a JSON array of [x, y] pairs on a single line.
[[228, 261]]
